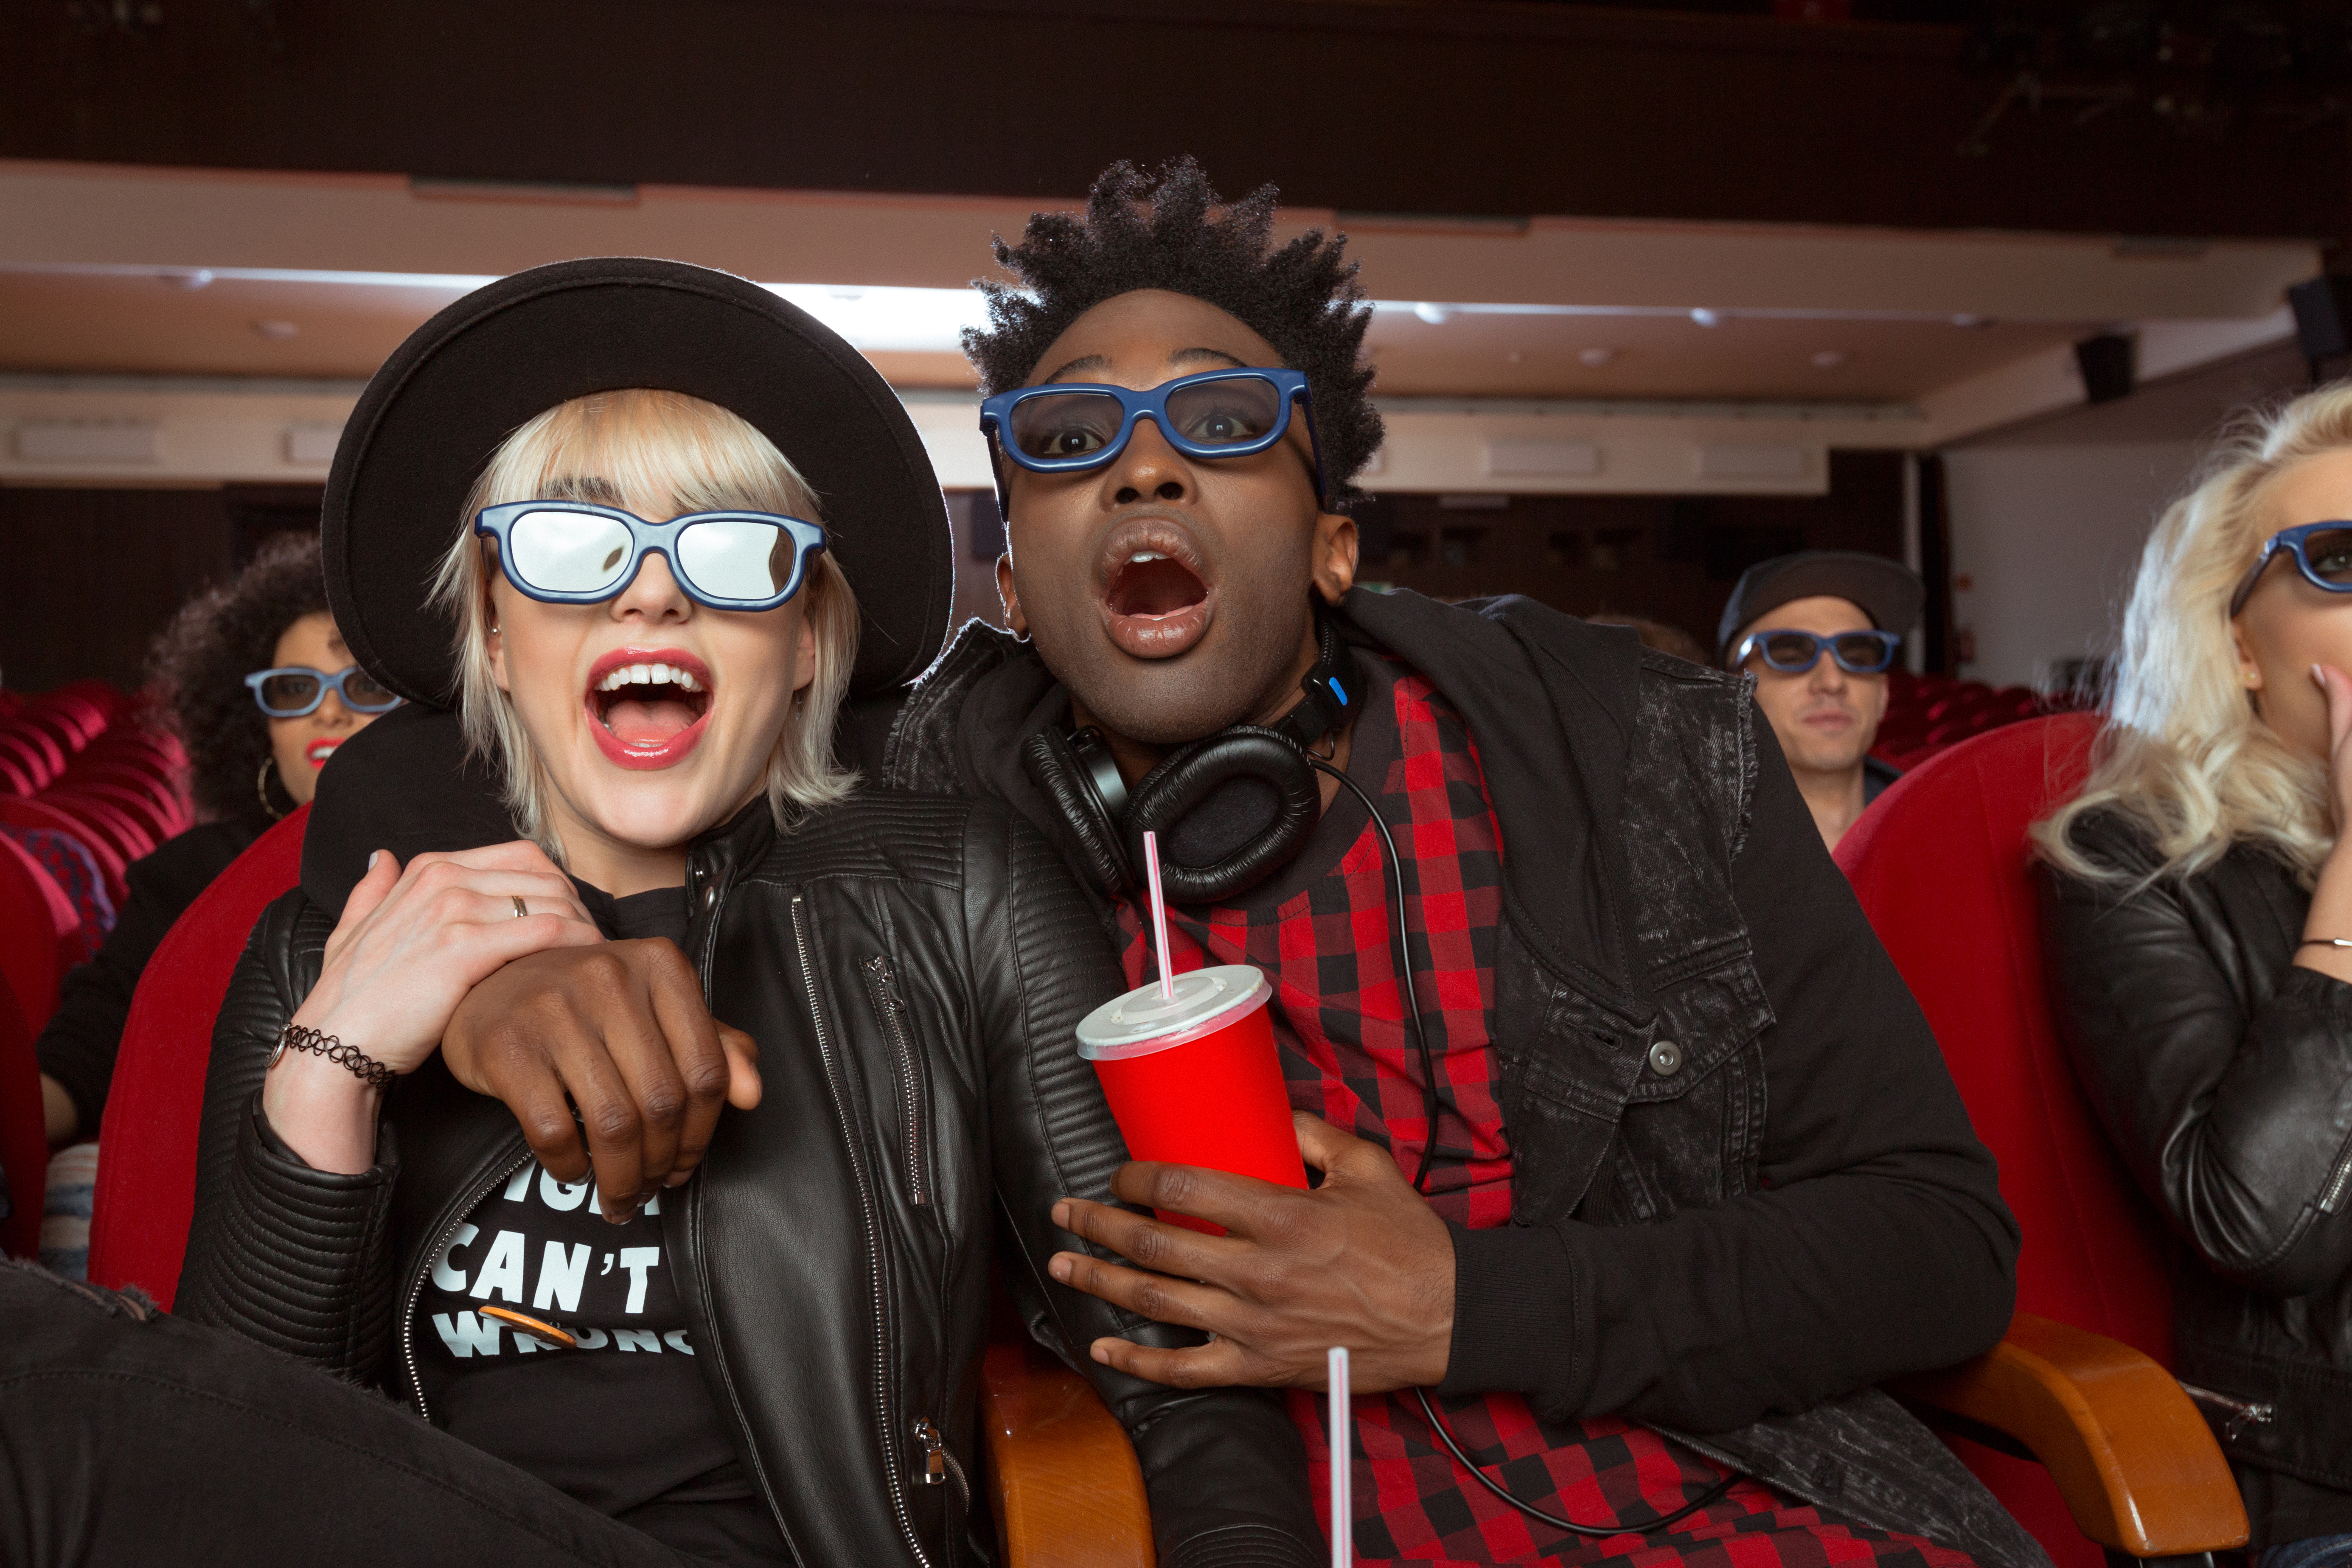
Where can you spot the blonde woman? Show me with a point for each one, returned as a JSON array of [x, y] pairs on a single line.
[[734, 1312], [2198, 896]]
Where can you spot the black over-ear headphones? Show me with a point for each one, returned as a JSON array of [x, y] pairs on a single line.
[[1229, 809]]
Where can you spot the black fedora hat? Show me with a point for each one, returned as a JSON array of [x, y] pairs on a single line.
[[431, 418]]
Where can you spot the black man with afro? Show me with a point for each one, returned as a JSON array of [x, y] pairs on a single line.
[[1697, 1167], [1670, 1174]]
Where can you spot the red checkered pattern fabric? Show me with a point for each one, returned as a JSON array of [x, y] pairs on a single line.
[[1349, 1057]]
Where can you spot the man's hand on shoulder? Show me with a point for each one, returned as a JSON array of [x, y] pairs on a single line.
[[1360, 1261], [621, 1029]]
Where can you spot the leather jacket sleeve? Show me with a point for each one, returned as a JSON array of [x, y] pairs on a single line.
[[1225, 1469], [293, 1258], [2223, 1073]]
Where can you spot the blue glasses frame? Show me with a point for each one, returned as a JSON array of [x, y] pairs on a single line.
[[327, 683], [2291, 541], [1756, 643], [1290, 387], [649, 539]]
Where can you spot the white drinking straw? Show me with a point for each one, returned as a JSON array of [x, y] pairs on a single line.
[[1158, 916], [1343, 1449]]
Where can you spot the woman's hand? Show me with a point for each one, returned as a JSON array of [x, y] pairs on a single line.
[[2337, 686], [2330, 914], [412, 942]]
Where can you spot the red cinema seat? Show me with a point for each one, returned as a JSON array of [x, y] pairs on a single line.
[[131, 840], [147, 1142], [36, 919], [27, 761], [1940, 865], [41, 813], [45, 735], [159, 822], [37, 922], [23, 1141]]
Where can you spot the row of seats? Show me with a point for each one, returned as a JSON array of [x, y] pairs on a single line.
[[1927, 713], [1941, 866], [87, 786]]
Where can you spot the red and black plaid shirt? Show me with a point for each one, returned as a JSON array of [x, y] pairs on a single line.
[[1320, 932]]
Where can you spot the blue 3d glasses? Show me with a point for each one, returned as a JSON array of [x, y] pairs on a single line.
[[1063, 427], [1795, 652], [2322, 551], [574, 552]]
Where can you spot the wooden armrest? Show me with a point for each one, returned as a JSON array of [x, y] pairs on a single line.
[[1067, 1488], [2135, 1461]]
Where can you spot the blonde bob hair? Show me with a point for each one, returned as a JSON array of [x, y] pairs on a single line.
[[657, 454], [2183, 751]]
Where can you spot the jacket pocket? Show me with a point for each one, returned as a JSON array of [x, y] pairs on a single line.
[[1703, 1018], [913, 1089], [1567, 1067]]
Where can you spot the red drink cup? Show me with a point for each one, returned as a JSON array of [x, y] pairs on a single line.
[[1196, 1082]]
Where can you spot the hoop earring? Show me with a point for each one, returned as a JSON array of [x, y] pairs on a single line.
[[261, 788]]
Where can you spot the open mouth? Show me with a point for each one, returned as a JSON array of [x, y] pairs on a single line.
[[648, 708], [1156, 597], [317, 752]]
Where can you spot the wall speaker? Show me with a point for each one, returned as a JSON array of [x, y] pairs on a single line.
[[2323, 315], [2106, 363]]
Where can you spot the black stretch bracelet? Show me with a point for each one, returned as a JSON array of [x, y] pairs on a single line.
[[373, 1073]]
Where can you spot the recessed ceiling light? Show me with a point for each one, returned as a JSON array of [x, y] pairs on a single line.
[[1596, 358], [195, 278], [274, 330], [1706, 318], [1829, 359]]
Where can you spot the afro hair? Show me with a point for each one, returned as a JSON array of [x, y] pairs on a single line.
[[200, 661], [1168, 230]]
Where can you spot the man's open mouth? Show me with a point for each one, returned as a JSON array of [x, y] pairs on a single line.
[[1156, 597], [1150, 584], [648, 707]]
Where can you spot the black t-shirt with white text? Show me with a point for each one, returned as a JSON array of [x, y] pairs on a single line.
[[622, 1421]]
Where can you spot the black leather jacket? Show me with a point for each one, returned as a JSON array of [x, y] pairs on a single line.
[[1730, 1239], [909, 967], [2224, 1075]]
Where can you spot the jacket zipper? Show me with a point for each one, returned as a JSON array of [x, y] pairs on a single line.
[[939, 1464], [910, 1088], [2333, 1198], [873, 1232], [467, 1205], [2240, 1413]]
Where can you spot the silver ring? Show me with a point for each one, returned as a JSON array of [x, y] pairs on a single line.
[[522, 911]]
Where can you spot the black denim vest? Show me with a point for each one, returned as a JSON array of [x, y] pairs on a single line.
[[1630, 1014]]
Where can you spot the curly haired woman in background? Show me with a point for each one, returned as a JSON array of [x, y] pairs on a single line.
[[249, 672], [2198, 900]]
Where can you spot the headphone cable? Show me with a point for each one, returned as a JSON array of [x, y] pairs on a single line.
[[1431, 1105]]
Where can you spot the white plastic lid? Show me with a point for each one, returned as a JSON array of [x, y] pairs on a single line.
[[1141, 1022]]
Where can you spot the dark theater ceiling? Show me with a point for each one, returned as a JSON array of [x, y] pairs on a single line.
[[2127, 117]]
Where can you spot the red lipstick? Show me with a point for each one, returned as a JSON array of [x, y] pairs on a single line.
[[655, 713]]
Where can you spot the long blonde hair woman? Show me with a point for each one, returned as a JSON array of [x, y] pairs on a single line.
[[2204, 746], [2198, 916]]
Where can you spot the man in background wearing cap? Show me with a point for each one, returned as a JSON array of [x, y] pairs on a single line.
[[1819, 630]]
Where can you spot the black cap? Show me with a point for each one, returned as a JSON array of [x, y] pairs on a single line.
[[1888, 592], [431, 416]]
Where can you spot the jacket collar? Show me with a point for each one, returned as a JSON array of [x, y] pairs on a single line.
[[714, 861], [1558, 788]]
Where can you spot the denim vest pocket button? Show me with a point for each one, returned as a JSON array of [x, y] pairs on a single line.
[[1665, 1058]]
